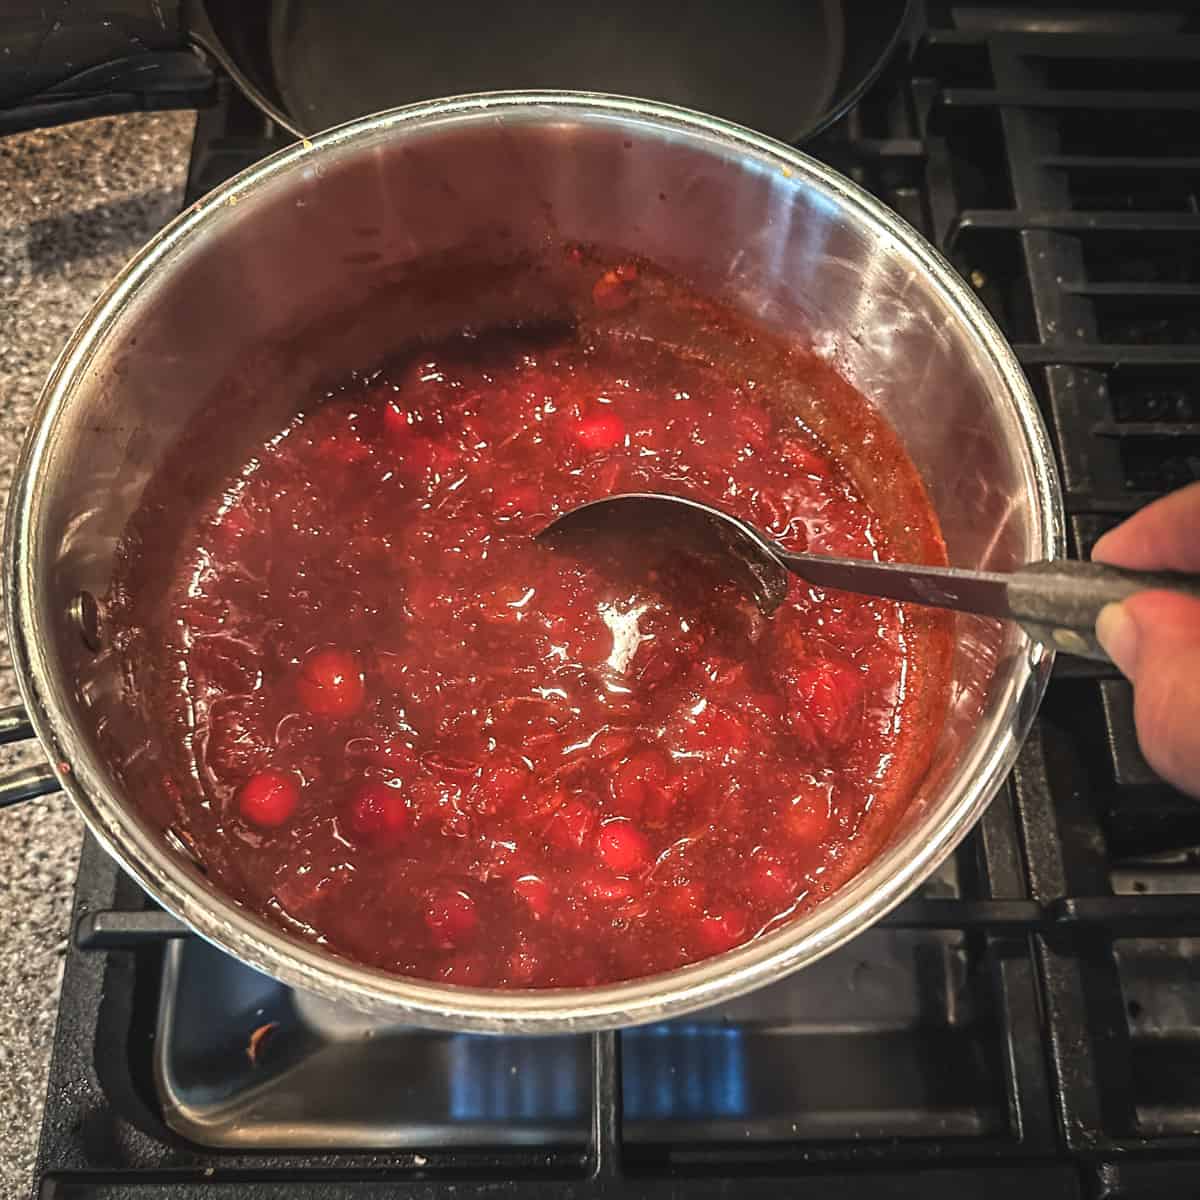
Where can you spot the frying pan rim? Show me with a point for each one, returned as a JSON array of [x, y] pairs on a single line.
[[205, 35]]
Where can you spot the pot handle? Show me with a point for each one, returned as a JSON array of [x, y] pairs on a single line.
[[26, 782], [93, 58]]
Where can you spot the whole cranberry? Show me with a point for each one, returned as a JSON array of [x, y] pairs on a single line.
[[622, 847], [721, 928], [378, 813], [268, 799], [331, 682]]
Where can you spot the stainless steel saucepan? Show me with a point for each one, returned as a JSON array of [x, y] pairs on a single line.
[[270, 278]]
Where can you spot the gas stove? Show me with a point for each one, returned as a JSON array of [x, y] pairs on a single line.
[[1029, 1021]]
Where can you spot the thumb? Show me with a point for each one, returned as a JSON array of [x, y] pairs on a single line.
[[1154, 639]]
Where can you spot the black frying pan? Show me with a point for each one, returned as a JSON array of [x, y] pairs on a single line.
[[784, 67]]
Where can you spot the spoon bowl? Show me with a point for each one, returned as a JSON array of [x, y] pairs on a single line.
[[1056, 602], [744, 555]]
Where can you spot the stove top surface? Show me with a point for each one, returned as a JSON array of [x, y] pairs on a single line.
[[1030, 1020]]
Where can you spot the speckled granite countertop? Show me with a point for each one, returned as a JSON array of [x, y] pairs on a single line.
[[75, 203]]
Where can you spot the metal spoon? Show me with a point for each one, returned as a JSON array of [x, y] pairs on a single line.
[[1055, 602]]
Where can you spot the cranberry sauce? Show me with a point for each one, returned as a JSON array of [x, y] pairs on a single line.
[[416, 736]]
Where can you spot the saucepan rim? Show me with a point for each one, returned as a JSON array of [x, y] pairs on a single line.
[[881, 885]]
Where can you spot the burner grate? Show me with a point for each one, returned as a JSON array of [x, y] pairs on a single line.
[[1103, 219]]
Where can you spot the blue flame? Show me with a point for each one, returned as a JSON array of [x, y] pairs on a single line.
[[516, 1079], [675, 1071], [684, 1070]]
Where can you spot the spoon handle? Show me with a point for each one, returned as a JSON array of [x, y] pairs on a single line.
[[1058, 602], [1055, 602]]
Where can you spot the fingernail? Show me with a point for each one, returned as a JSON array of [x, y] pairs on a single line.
[[1117, 632], [1098, 548]]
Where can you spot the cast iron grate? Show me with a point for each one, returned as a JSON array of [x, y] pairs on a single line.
[[1097, 247], [1059, 170]]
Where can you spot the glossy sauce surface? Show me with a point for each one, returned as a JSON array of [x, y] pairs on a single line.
[[409, 732]]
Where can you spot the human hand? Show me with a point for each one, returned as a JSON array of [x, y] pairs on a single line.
[[1154, 636]]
